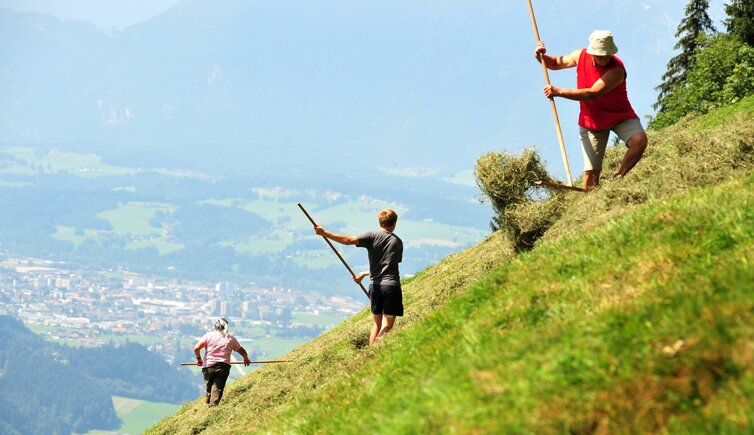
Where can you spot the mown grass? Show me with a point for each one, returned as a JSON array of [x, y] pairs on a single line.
[[632, 314], [656, 336], [695, 152]]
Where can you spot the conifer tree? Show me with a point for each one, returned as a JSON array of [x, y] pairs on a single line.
[[695, 24], [740, 22]]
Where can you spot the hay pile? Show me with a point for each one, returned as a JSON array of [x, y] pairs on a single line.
[[506, 181], [697, 151]]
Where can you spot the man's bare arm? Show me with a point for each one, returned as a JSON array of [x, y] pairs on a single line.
[[340, 238], [197, 351], [245, 355], [605, 84], [570, 60]]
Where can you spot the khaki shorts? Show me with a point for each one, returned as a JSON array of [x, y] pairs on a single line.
[[594, 142]]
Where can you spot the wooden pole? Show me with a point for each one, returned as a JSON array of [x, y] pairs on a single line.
[[558, 186], [334, 250], [241, 362], [552, 100]]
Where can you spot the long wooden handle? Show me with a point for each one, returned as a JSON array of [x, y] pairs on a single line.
[[334, 250], [241, 362], [552, 100]]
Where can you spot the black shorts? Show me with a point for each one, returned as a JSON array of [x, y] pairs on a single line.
[[386, 299]]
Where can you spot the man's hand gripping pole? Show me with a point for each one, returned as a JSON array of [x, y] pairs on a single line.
[[353, 275]]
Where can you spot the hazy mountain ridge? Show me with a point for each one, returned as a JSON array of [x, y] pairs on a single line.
[[207, 75], [234, 83]]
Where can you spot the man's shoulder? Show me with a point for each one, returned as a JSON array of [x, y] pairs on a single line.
[[573, 58], [386, 235], [616, 62], [367, 235], [395, 241]]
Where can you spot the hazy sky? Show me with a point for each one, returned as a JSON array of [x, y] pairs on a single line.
[[119, 14], [106, 14]]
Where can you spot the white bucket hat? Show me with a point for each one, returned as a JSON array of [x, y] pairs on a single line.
[[601, 43]]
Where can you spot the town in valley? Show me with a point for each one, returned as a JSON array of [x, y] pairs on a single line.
[[89, 308]]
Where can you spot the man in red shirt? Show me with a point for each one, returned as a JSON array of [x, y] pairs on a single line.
[[601, 92]]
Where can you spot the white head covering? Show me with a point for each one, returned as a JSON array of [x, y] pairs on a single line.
[[221, 325], [601, 43]]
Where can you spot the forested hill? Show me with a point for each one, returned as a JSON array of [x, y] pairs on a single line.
[[56, 389], [631, 313]]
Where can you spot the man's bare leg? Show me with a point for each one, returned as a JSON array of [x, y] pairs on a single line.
[[591, 179], [389, 321], [636, 145], [375, 328]]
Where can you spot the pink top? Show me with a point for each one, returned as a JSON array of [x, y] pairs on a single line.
[[218, 348], [608, 110]]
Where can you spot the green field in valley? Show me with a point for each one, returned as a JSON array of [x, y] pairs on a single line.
[[359, 216], [133, 218], [133, 221], [88, 165], [130, 220], [137, 415]]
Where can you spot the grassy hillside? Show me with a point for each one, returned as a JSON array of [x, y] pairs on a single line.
[[632, 313]]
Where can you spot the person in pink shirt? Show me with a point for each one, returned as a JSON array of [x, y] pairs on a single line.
[[218, 345], [602, 95]]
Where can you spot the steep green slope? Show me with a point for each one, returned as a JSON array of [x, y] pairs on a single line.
[[633, 314], [579, 335]]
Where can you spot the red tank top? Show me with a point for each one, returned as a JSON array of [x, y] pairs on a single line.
[[611, 108]]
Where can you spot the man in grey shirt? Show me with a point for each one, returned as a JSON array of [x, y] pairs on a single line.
[[385, 251]]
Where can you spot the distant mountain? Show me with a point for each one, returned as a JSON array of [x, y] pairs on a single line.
[[243, 84], [246, 79], [49, 388]]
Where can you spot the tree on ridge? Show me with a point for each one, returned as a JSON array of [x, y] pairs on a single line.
[[740, 22], [696, 23]]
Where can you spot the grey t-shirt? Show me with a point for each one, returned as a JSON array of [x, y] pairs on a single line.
[[385, 252]]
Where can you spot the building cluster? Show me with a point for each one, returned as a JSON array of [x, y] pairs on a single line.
[[91, 307]]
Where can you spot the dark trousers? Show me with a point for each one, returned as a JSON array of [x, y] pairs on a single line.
[[214, 379]]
